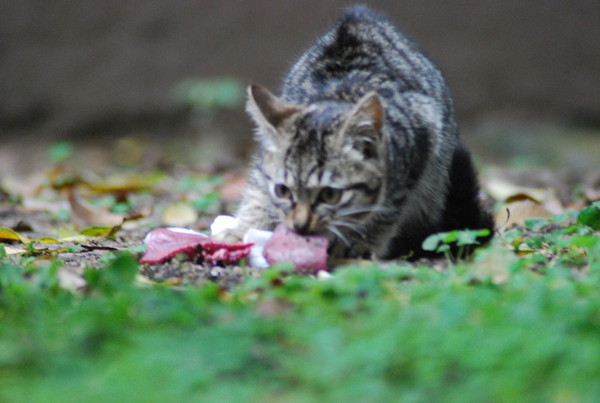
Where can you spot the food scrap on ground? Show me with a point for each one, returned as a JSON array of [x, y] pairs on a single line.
[[308, 254], [164, 243]]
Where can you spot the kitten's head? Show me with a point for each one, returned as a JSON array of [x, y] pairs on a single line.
[[323, 164]]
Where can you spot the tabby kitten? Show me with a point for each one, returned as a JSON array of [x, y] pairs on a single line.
[[362, 146]]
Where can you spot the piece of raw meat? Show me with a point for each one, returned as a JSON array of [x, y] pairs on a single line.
[[308, 253], [164, 243]]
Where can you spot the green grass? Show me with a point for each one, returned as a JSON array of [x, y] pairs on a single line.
[[504, 327]]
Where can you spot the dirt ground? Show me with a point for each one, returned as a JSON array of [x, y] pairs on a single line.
[[168, 185]]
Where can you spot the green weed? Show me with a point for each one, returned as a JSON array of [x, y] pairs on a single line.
[[393, 332]]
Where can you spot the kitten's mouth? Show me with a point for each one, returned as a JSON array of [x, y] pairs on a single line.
[[306, 228], [303, 221], [320, 230], [341, 228]]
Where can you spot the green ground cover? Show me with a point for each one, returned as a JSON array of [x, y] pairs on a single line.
[[520, 321], [82, 321]]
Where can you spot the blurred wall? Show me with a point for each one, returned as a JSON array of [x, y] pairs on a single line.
[[69, 68]]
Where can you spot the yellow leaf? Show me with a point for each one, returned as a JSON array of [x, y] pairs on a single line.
[[125, 183], [7, 234], [180, 214], [96, 231], [47, 240]]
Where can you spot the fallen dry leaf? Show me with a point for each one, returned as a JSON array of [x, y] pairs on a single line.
[[518, 211], [14, 250], [8, 234], [86, 214], [180, 214], [591, 190], [501, 189], [521, 203], [123, 184]]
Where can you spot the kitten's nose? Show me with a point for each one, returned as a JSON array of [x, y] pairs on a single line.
[[301, 227], [300, 219]]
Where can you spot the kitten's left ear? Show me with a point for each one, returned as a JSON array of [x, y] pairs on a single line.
[[368, 113], [267, 110], [362, 129]]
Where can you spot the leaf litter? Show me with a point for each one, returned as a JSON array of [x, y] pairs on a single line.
[[60, 214]]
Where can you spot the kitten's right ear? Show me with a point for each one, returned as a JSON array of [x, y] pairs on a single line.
[[267, 110]]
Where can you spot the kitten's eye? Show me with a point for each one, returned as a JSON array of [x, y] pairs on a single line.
[[330, 195], [282, 191]]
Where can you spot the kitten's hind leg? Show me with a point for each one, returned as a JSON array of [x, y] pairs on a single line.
[[464, 209]]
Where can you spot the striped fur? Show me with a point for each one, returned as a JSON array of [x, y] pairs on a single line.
[[362, 145]]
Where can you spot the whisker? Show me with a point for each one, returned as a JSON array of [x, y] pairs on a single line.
[[351, 226], [361, 210], [339, 234]]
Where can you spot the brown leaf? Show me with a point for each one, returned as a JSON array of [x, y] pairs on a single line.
[[521, 197], [122, 185], [502, 189], [89, 215], [591, 189], [519, 211]]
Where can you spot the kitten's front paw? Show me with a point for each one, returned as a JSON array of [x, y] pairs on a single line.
[[233, 235], [226, 228]]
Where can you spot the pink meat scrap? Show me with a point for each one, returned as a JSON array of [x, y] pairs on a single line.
[[308, 253], [164, 243]]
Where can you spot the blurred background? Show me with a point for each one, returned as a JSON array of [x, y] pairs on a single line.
[[150, 82]]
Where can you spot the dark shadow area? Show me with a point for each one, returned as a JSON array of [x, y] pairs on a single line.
[[101, 71]]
